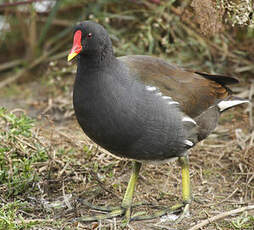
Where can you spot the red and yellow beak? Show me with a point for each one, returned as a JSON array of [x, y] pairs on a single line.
[[76, 47]]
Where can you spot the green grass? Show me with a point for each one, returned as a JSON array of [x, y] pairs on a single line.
[[10, 219], [17, 125], [19, 150], [243, 222]]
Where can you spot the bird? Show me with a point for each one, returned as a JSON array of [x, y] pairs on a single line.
[[142, 107]]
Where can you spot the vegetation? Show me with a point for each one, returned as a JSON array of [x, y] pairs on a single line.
[[183, 31]]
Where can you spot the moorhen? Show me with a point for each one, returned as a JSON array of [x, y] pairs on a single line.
[[143, 108]]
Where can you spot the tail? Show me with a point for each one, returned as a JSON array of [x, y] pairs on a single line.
[[231, 102]]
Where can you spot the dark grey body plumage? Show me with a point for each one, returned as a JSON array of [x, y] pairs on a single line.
[[117, 111]]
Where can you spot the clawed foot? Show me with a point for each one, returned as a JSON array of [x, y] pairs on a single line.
[[113, 212], [178, 208]]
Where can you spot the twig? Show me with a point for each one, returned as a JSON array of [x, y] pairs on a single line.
[[102, 185], [62, 171], [59, 55], [226, 199], [10, 64], [26, 143], [34, 220], [32, 38], [49, 22], [21, 72], [58, 22], [70, 139], [66, 200], [220, 216], [39, 60], [250, 106]]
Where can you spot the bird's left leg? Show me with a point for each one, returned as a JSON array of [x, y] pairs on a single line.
[[125, 208]]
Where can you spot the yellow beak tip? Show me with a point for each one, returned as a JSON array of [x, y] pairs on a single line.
[[71, 56]]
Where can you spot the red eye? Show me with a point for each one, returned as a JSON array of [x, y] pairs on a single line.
[[89, 35]]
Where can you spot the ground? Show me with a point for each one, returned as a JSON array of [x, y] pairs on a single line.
[[61, 166]]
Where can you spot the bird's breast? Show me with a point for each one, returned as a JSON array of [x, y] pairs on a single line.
[[128, 118]]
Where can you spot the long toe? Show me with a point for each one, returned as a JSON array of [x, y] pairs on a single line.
[[115, 213], [170, 210], [185, 213]]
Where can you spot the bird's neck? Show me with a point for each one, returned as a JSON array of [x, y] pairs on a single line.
[[95, 60]]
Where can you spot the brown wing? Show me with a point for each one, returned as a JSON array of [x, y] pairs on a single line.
[[195, 92]]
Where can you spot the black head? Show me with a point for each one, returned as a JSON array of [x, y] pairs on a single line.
[[90, 39]]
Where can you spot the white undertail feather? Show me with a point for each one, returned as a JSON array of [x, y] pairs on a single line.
[[223, 105], [188, 119]]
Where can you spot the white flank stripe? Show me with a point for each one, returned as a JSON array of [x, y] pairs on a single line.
[[166, 97], [187, 142], [173, 103], [150, 88], [228, 104], [188, 119], [169, 99]]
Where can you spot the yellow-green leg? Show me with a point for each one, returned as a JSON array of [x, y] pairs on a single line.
[[126, 203], [186, 185], [128, 196]]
